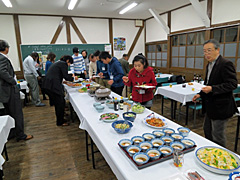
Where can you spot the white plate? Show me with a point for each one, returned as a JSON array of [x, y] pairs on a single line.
[[145, 122], [145, 87], [217, 170]]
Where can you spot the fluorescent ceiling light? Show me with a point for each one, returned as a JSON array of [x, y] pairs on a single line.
[[128, 8], [7, 3], [72, 4]]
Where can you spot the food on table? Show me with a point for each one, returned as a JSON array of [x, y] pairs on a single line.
[[109, 116], [190, 83], [129, 114], [134, 150], [82, 90], [145, 147], [87, 81], [148, 137], [177, 136], [157, 144], [175, 146], [183, 130], [122, 126], [138, 108], [217, 158], [138, 140], [73, 84], [153, 154], [157, 122], [140, 159], [188, 143], [126, 144], [165, 151]]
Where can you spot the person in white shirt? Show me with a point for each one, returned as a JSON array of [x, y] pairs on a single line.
[[78, 67], [92, 66], [32, 78]]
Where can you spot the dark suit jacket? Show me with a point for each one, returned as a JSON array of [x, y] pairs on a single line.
[[54, 77], [7, 80], [220, 104], [125, 66]]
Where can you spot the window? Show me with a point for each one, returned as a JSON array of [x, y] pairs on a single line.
[[187, 50], [157, 54], [229, 44]]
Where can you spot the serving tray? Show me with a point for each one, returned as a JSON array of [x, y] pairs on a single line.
[[152, 162]]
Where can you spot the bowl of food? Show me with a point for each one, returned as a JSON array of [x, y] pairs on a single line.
[[133, 149], [158, 133], [177, 146], [100, 108], [145, 146], [183, 131], [122, 126], [110, 104], [165, 150], [96, 104], [138, 108], [167, 140], [130, 116], [168, 131], [157, 143], [188, 143], [141, 158], [153, 154], [125, 143], [148, 136], [177, 137], [109, 117], [217, 160], [137, 140]]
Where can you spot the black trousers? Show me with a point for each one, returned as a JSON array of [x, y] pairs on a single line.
[[59, 102], [14, 109], [117, 90]]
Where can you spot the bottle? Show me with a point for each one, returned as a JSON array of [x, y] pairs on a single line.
[[194, 77], [184, 78], [158, 72], [115, 104], [121, 104], [155, 71], [197, 78]]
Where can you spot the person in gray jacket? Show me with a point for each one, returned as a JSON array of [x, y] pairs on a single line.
[[9, 93], [32, 77], [125, 64]]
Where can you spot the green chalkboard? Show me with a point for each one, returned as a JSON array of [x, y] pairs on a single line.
[[59, 49]]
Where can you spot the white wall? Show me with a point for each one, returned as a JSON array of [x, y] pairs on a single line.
[[95, 31], [225, 11], [127, 29], [154, 32], [7, 33], [186, 18]]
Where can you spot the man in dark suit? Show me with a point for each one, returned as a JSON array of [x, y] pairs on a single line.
[[54, 88], [217, 95], [9, 93]]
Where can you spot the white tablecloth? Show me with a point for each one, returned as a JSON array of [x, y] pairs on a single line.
[[23, 85], [164, 75], [178, 93], [6, 123], [107, 139]]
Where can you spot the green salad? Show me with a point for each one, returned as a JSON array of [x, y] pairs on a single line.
[[138, 108], [109, 116]]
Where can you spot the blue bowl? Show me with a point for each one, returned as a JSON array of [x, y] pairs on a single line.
[[177, 146], [167, 140], [148, 136], [158, 133], [188, 143], [125, 143], [125, 99], [168, 131], [157, 143], [141, 158], [133, 149], [132, 116], [96, 104], [183, 131], [120, 126], [145, 146], [137, 140], [99, 108], [153, 154], [177, 137], [165, 150]]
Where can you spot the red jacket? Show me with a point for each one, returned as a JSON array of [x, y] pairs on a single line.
[[146, 77]]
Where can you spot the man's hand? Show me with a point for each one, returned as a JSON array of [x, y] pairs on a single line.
[[100, 74], [110, 82], [85, 72], [125, 79], [194, 99], [76, 78], [207, 89]]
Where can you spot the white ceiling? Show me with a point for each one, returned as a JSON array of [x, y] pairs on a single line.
[[92, 8]]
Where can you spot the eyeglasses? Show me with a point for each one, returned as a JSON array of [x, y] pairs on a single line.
[[208, 51]]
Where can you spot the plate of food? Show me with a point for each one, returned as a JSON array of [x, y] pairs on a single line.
[[217, 160], [71, 84], [145, 86], [83, 90], [155, 122], [109, 117]]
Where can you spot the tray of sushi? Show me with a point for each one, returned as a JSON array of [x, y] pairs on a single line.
[[155, 147]]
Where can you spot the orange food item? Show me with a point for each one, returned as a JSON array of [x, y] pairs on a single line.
[[190, 83], [155, 122]]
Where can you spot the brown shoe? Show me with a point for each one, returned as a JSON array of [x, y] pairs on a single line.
[[25, 139], [65, 124]]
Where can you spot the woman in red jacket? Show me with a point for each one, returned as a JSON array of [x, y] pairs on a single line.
[[141, 74]]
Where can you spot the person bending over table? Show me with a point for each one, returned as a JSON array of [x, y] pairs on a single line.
[[217, 96], [115, 71], [141, 74], [54, 88]]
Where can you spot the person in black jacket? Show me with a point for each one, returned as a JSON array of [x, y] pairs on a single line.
[[217, 95], [54, 88], [9, 93]]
